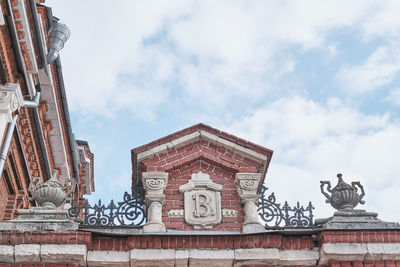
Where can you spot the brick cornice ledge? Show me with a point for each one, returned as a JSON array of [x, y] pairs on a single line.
[[359, 252]]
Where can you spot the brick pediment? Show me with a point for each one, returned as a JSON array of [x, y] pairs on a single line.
[[200, 143]]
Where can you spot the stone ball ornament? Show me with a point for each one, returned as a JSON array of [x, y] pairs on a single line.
[[343, 196], [51, 194]]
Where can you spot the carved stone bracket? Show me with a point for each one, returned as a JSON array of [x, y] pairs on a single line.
[[154, 184], [202, 201], [247, 184], [10, 100]]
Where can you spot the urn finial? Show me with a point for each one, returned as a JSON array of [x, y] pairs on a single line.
[[343, 196], [51, 194]]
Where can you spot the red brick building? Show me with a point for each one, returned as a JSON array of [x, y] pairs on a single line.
[[35, 126], [195, 198]]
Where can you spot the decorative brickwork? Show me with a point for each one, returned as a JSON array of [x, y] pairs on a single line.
[[201, 148], [360, 237], [229, 196]]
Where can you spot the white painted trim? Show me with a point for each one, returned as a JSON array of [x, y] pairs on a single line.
[[56, 136], [359, 252], [6, 253], [108, 258], [208, 257], [27, 35], [2, 22], [198, 135], [64, 253]]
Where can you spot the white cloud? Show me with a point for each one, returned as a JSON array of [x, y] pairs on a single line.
[[394, 96], [314, 141], [378, 70], [231, 48]]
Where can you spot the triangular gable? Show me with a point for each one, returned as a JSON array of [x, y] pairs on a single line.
[[200, 141]]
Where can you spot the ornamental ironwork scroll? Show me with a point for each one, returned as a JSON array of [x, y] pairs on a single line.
[[128, 213], [273, 215]]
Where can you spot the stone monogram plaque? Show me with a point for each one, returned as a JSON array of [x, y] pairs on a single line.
[[202, 201]]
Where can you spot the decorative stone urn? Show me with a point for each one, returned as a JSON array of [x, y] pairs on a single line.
[[51, 194], [343, 196]]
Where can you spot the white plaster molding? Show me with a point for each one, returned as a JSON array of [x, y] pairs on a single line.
[[27, 253], [152, 257], [298, 257], [154, 183], [257, 256], [198, 135], [359, 251], [10, 99], [6, 253], [202, 180], [63, 253], [88, 171], [247, 184], [202, 201], [2, 22], [181, 258], [273, 256], [175, 213], [56, 136], [229, 213], [108, 258], [211, 257]]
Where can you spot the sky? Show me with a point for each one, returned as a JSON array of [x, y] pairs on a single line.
[[318, 82]]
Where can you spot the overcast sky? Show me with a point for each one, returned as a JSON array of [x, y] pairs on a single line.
[[316, 81]]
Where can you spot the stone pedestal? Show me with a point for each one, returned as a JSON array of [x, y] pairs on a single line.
[[154, 184], [355, 220], [247, 184], [39, 219]]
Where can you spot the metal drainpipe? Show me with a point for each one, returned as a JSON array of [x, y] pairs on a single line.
[[7, 141], [36, 117], [11, 128]]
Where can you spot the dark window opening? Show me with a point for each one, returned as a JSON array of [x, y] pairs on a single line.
[[8, 183], [15, 172]]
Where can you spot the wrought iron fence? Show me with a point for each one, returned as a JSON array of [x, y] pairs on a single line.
[[128, 213], [273, 215]]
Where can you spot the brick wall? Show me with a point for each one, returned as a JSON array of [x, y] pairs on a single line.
[[201, 155], [218, 155], [229, 196], [202, 242], [360, 237]]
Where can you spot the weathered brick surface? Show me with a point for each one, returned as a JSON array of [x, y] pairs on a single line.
[[360, 237], [205, 150], [45, 237], [201, 242]]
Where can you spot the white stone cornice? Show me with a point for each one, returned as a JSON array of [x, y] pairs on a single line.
[[200, 135], [358, 252], [200, 180], [10, 99]]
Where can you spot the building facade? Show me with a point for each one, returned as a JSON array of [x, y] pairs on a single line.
[[35, 126], [197, 195]]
